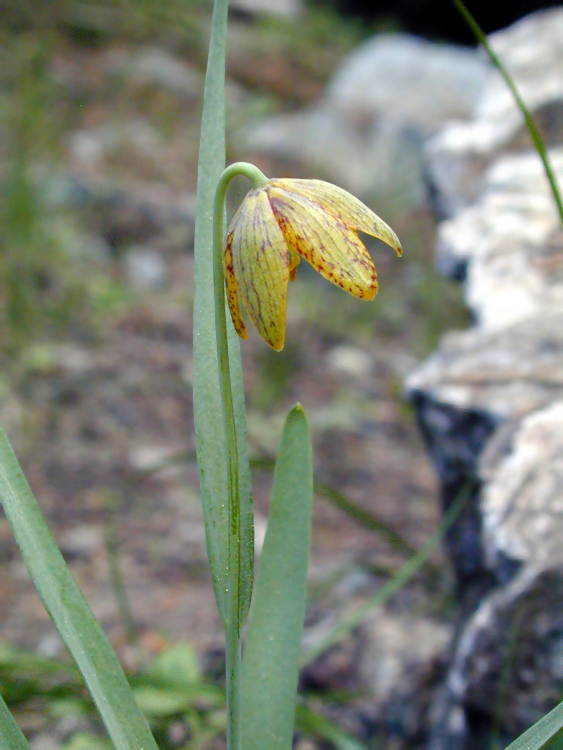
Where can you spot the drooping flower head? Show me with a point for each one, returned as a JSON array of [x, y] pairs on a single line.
[[285, 219]]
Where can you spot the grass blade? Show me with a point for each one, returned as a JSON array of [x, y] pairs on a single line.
[[317, 725], [273, 645], [208, 409], [11, 736], [545, 733], [409, 569], [528, 118], [69, 611]]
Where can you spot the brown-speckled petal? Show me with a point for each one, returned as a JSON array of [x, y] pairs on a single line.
[[343, 206], [261, 262], [232, 288], [326, 242]]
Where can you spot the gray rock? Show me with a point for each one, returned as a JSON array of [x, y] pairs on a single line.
[[287, 8], [508, 242], [367, 131], [509, 658], [523, 498], [490, 400], [350, 361], [154, 66], [408, 78], [506, 373], [145, 268], [532, 51], [45, 741], [398, 650], [476, 382], [508, 664], [88, 147]]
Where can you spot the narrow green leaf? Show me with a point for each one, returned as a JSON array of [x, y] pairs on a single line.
[[11, 736], [313, 723], [533, 129], [412, 566], [543, 734], [273, 645], [69, 611], [208, 409]]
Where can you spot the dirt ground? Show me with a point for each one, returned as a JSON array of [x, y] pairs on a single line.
[[101, 417]]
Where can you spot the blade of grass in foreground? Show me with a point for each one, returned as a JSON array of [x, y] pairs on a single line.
[[208, 407], [11, 736], [273, 644], [319, 726], [357, 616], [544, 734], [529, 120], [69, 611]]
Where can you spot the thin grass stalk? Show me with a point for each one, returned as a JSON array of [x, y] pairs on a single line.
[[528, 118], [355, 618]]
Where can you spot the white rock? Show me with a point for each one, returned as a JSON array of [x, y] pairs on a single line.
[[287, 8], [398, 649], [145, 268], [511, 243], [523, 500], [349, 360], [532, 52], [409, 79], [366, 132], [152, 65]]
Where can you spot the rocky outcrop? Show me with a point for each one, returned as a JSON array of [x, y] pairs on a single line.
[[367, 131], [458, 156], [490, 400]]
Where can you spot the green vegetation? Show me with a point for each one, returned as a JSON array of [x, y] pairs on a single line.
[[54, 286]]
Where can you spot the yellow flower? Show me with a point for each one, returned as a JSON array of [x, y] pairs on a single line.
[[279, 222]]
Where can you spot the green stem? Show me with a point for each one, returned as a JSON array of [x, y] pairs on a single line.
[[116, 576], [530, 122], [234, 614]]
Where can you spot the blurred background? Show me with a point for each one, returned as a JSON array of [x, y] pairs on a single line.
[[100, 106]]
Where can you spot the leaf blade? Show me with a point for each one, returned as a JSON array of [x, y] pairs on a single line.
[[273, 645], [208, 407], [541, 734], [69, 611], [11, 736]]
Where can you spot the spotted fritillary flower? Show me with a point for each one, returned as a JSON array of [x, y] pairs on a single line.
[[283, 220]]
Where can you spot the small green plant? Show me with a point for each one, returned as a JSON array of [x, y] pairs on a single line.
[[279, 221]]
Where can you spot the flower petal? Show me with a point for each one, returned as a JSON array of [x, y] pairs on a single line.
[[261, 266], [330, 246], [232, 288], [343, 206]]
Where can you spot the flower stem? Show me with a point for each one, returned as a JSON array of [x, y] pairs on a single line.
[[234, 615]]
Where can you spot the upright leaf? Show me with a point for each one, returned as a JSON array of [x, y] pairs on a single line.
[[11, 736], [69, 611], [546, 733], [273, 645], [208, 408]]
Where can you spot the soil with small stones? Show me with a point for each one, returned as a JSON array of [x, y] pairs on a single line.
[[104, 429]]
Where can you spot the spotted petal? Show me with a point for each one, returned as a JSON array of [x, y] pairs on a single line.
[[261, 261], [232, 288], [325, 241], [343, 206]]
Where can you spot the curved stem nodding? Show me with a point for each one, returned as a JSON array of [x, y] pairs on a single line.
[[234, 618]]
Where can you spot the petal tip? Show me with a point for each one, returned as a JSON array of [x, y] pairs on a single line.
[[277, 346]]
